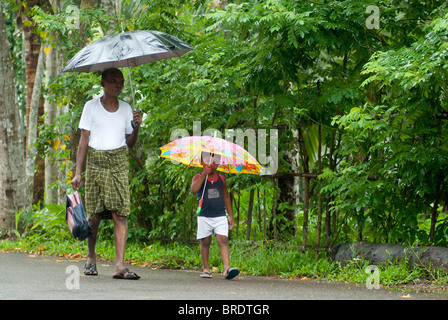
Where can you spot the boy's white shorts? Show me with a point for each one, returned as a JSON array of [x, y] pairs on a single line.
[[208, 226]]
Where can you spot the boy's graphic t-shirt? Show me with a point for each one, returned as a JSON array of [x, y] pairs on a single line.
[[213, 204], [213, 193]]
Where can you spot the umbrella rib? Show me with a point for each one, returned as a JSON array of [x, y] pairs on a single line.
[[192, 159]]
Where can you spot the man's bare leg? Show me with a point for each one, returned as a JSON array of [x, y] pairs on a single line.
[[91, 244], [120, 235]]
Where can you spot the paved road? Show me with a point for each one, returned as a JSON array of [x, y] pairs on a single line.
[[25, 276]]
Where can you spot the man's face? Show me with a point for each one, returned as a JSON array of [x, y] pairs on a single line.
[[113, 84]]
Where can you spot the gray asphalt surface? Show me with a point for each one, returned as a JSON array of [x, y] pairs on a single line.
[[25, 276]]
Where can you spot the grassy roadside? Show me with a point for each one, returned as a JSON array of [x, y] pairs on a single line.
[[264, 259]]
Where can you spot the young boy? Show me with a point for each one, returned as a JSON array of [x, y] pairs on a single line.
[[212, 218]]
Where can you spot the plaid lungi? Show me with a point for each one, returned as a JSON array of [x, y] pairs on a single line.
[[107, 183]]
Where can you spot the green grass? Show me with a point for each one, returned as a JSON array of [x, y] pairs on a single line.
[[44, 232], [263, 259]]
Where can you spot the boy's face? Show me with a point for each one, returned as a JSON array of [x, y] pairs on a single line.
[[210, 160]]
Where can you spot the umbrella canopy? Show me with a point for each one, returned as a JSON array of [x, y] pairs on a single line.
[[126, 49], [234, 159], [188, 150]]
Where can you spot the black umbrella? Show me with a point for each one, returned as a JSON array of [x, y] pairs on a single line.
[[127, 49]]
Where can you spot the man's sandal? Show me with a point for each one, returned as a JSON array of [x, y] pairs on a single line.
[[90, 269], [126, 274]]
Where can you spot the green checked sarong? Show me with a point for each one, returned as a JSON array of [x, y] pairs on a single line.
[[107, 183]]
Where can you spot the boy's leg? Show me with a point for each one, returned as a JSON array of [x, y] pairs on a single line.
[[221, 234], [205, 249], [223, 242], [204, 235]]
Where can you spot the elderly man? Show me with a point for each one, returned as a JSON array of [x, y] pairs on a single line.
[[106, 135]]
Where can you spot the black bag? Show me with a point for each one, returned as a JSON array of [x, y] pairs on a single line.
[[76, 217]]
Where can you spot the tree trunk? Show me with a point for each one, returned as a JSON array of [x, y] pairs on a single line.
[[75, 133], [320, 197], [32, 127], [222, 4], [327, 210], [52, 165], [306, 206], [111, 9], [51, 111], [306, 185], [32, 49], [264, 215], [249, 213], [274, 209], [288, 186], [330, 225], [434, 213], [12, 160], [237, 215]]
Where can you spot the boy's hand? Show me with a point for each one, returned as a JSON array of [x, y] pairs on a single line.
[[207, 170], [231, 223]]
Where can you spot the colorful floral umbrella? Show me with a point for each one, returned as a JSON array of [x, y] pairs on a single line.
[[234, 159], [188, 150]]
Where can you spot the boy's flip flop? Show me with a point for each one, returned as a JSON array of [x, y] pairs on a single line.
[[206, 275], [232, 273]]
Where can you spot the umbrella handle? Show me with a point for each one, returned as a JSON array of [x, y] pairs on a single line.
[[134, 125], [198, 211]]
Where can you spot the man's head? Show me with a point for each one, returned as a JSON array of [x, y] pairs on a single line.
[[112, 81]]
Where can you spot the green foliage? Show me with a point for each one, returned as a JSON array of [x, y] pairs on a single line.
[[377, 94], [394, 168]]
